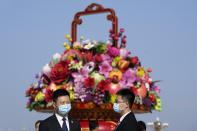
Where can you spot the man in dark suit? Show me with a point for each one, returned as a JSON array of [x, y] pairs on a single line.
[[60, 121], [123, 105]]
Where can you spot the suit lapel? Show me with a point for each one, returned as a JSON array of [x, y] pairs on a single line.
[[71, 123], [122, 122], [55, 125]]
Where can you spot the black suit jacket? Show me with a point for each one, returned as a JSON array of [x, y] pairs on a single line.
[[129, 123], [52, 124]]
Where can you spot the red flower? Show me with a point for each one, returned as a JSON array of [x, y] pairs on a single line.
[[134, 60], [98, 58], [102, 85], [152, 97], [134, 90], [48, 95], [88, 56], [60, 71], [89, 82], [30, 91]]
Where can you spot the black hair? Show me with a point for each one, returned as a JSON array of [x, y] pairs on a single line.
[[39, 121], [141, 126], [58, 93], [127, 95], [93, 124]]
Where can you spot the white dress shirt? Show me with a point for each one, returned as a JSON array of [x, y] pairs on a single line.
[[59, 118]]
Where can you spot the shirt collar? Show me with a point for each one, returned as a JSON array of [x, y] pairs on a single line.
[[59, 118], [122, 117]]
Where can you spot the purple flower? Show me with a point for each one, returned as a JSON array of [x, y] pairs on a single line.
[[147, 102], [37, 76], [89, 96], [138, 78], [105, 68], [128, 78], [80, 76], [79, 91], [30, 100]]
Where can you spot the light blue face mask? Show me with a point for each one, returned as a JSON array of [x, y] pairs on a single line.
[[64, 109], [116, 108]]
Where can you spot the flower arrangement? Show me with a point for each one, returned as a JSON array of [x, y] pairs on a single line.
[[93, 72]]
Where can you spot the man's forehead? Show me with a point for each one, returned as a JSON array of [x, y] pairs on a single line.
[[63, 98], [119, 97]]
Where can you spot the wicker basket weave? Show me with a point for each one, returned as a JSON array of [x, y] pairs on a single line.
[[95, 112]]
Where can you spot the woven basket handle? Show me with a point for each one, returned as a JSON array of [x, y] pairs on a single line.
[[89, 11]]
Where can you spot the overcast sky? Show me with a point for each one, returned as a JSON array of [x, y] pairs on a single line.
[[162, 33]]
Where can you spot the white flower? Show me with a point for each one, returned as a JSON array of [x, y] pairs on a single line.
[[56, 56], [147, 86], [46, 69], [138, 99], [88, 44], [89, 67], [109, 42]]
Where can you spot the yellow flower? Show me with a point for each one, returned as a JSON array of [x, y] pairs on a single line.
[[39, 97], [67, 36], [67, 47], [72, 96], [116, 59], [65, 44], [113, 98], [74, 65], [94, 42], [157, 107], [71, 40], [81, 37], [58, 87], [70, 86], [140, 72]]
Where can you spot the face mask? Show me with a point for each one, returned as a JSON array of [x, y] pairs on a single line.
[[64, 109], [116, 108]]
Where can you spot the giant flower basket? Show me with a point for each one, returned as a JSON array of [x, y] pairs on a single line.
[[92, 72]]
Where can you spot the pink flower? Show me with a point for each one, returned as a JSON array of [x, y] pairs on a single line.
[[124, 53], [107, 57], [113, 51], [80, 76], [105, 68], [128, 78], [157, 90], [122, 30]]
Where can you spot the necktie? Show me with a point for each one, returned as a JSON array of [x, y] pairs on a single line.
[[117, 125], [64, 127]]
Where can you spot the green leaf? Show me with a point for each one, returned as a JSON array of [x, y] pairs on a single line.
[[33, 104], [78, 57]]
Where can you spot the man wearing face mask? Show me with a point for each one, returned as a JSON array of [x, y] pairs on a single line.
[[60, 121], [123, 105]]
